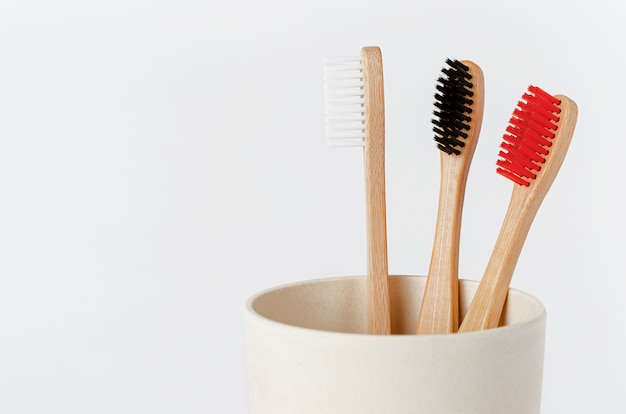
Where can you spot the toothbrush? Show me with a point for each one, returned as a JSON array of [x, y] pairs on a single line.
[[355, 116], [533, 149], [459, 114]]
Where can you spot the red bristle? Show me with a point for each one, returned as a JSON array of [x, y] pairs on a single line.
[[547, 114], [530, 155], [515, 131], [538, 101], [522, 121], [517, 164], [542, 142], [546, 96], [530, 147], [531, 139], [512, 168], [528, 136], [512, 176]]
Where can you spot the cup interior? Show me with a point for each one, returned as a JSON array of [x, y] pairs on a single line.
[[340, 304]]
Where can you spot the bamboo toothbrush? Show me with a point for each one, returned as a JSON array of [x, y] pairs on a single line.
[[458, 118], [355, 116], [536, 142]]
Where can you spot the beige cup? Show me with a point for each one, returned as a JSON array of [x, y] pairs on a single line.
[[307, 353]]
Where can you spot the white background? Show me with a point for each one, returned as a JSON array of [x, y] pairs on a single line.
[[161, 161]]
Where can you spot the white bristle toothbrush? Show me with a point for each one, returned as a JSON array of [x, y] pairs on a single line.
[[457, 123], [533, 149], [355, 116]]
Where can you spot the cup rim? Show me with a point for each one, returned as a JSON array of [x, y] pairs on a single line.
[[250, 312]]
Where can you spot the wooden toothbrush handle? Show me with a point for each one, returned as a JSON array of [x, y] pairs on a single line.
[[374, 155], [439, 310], [486, 307]]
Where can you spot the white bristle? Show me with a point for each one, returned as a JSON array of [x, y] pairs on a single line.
[[345, 119]]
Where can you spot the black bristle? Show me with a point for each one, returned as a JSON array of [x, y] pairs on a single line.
[[459, 66], [453, 102]]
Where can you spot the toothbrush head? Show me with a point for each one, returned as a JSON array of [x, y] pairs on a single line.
[[454, 102], [529, 136], [344, 101]]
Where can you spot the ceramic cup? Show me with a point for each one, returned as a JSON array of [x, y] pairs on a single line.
[[308, 353]]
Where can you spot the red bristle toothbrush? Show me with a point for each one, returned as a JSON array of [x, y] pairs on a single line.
[[536, 142], [458, 118], [355, 116]]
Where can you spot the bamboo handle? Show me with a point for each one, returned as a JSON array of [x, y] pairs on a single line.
[[374, 155], [486, 307], [439, 311]]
